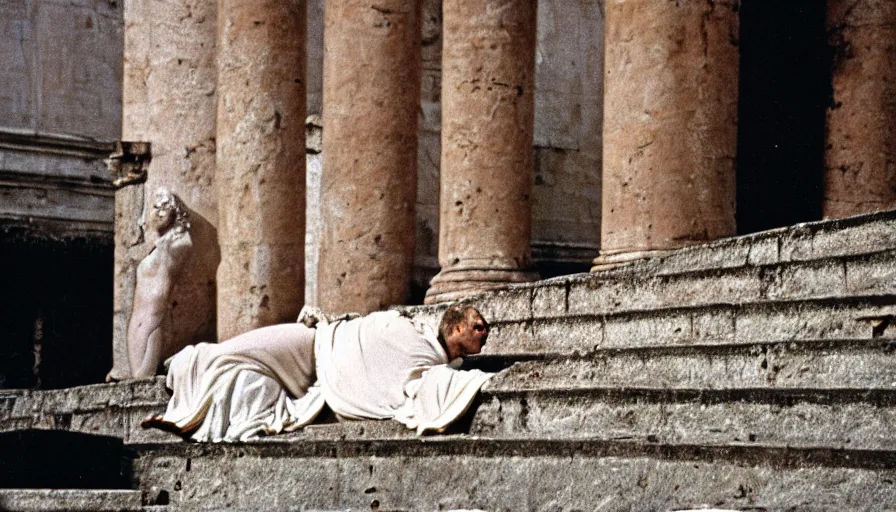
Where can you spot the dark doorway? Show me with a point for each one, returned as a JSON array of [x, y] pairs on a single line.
[[56, 299], [784, 88], [35, 459]]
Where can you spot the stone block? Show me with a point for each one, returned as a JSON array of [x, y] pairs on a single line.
[[657, 328], [510, 338], [466, 482], [713, 325], [71, 500], [764, 251], [804, 321], [367, 483], [512, 304], [110, 422], [875, 275], [723, 254], [286, 483], [567, 336], [549, 301], [823, 279], [589, 296]]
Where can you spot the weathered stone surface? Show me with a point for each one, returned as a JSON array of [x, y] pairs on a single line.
[[261, 163], [497, 474], [670, 125], [62, 500], [569, 95], [169, 100], [488, 88], [812, 364], [105, 409], [860, 150], [693, 416], [369, 182], [61, 67]]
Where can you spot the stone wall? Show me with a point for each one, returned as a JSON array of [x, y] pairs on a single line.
[[60, 108], [61, 66], [60, 98]]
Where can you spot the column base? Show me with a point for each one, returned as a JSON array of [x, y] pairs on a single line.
[[611, 259], [456, 284]]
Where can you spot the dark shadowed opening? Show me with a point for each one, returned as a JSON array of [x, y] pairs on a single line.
[[784, 87], [52, 459], [56, 305]]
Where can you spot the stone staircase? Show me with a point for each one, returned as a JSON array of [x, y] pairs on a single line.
[[754, 373]]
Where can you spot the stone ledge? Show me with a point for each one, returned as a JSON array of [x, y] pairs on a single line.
[[48, 500], [797, 419], [107, 409], [779, 456], [791, 247], [810, 364], [850, 317], [502, 474]]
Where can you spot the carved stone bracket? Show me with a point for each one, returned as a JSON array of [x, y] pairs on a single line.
[[129, 163]]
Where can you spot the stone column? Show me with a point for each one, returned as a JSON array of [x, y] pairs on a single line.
[[670, 126], [368, 187], [860, 146], [488, 85], [261, 163], [168, 97]]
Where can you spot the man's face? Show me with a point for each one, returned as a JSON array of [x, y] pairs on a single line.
[[468, 336]]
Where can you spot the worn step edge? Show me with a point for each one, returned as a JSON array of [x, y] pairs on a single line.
[[783, 364], [785, 397], [833, 420], [850, 237], [506, 359], [849, 276], [827, 317], [70, 499], [482, 446]]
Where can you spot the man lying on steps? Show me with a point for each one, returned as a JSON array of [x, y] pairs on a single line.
[[277, 379]]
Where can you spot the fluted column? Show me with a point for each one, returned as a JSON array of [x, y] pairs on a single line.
[[261, 163], [488, 70], [670, 126], [860, 146], [369, 182], [168, 100]]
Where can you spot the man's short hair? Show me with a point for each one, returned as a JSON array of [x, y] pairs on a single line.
[[453, 315]]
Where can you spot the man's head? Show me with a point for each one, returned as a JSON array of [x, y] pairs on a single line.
[[462, 331]]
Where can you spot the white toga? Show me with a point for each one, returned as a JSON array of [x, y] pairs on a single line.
[[277, 379]]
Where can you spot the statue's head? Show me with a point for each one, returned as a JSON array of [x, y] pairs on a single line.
[[462, 331], [167, 212]]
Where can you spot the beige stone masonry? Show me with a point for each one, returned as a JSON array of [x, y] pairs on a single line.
[[169, 97], [261, 163], [860, 145], [670, 126], [371, 93], [488, 85]]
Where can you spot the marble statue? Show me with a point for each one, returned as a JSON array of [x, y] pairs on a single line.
[[148, 338]]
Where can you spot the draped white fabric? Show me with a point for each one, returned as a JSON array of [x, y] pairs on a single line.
[[376, 367], [386, 366]]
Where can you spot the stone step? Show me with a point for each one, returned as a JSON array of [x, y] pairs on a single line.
[[52, 500], [846, 317], [863, 234], [114, 410], [847, 258], [493, 473], [863, 419], [807, 364]]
